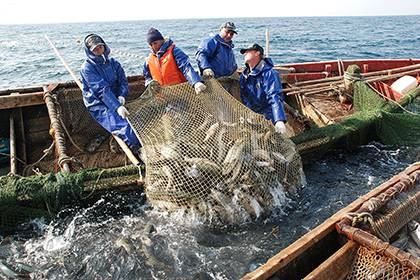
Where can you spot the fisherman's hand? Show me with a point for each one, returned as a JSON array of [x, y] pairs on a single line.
[[199, 87], [121, 99], [154, 86], [123, 112], [208, 73], [280, 127]]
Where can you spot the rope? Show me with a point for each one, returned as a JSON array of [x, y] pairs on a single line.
[[94, 186], [67, 159], [46, 153], [352, 77], [366, 218], [15, 157]]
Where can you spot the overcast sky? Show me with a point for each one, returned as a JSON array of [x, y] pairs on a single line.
[[53, 11]]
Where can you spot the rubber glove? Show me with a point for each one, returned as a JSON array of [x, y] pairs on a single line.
[[280, 127], [121, 99], [199, 87], [208, 73], [123, 112]]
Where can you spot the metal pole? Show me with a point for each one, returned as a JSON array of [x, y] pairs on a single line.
[[267, 42], [13, 161], [79, 84]]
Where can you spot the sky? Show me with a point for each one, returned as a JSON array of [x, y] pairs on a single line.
[[58, 11]]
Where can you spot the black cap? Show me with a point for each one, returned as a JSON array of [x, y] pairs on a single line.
[[253, 47], [93, 40], [229, 26]]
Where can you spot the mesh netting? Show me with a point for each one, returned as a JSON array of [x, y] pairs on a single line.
[[86, 141], [204, 151], [25, 197], [375, 119], [369, 264]]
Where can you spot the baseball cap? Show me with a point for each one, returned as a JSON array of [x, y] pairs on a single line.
[[253, 47]]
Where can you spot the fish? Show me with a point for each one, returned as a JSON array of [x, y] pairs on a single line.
[[211, 131], [234, 154], [235, 172], [261, 154], [204, 165], [123, 243]]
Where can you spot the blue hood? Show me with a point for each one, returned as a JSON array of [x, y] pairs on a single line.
[[97, 59], [265, 64]]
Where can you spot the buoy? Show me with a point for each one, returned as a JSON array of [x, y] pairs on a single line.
[[404, 84]]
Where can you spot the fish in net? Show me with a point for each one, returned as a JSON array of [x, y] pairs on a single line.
[[209, 152]]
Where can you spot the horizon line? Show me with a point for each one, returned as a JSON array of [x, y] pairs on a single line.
[[234, 17]]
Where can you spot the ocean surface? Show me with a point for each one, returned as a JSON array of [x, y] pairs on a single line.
[[121, 236], [27, 59]]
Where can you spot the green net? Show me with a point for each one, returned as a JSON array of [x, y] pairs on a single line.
[[375, 119], [26, 197]]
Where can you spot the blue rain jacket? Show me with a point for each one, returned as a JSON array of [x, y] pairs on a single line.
[[218, 55], [182, 61], [103, 81], [261, 91]]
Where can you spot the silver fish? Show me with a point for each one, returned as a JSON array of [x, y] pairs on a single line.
[[211, 131]]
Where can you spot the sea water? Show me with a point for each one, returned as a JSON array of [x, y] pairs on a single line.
[[121, 236]]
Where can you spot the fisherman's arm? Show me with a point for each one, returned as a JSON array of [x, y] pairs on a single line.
[[273, 89], [185, 66], [146, 73], [100, 88], [122, 79], [205, 50]]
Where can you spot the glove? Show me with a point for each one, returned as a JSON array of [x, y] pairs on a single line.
[[208, 73], [121, 99], [154, 86], [199, 87], [123, 112], [280, 127]]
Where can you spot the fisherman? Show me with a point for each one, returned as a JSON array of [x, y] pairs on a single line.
[[215, 55], [105, 88], [261, 89], [168, 64]]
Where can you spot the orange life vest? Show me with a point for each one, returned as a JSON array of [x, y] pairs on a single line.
[[165, 70]]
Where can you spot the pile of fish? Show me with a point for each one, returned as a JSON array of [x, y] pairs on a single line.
[[222, 166]]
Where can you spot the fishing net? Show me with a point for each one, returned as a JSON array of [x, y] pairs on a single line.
[[23, 198], [371, 263], [87, 143], [209, 151], [375, 118]]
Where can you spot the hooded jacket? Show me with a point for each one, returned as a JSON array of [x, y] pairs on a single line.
[[216, 54], [103, 81], [261, 91], [182, 61]]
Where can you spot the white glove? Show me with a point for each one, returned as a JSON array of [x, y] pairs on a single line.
[[208, 73], [280, 127], [199, 87], [121, 99], [123, 112], [154, 86]]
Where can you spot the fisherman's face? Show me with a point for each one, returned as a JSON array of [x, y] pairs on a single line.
[[155, 46], [251, 55], [99, 50], [226, 34]]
